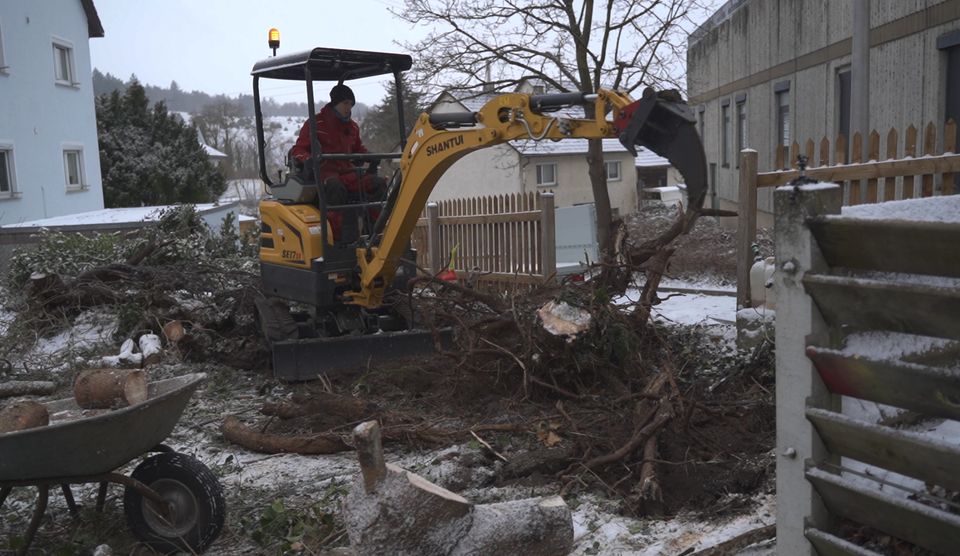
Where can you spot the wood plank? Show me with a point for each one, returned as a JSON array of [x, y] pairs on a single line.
[[908, 453], [869, 304], [525, 216], [824, 152], [829, 545], [885, 169], [890, 184], [873, 153], [931, 248], [794, 153], [547, 240], [911, 521], [746, 224], [929, 149], [949, 146], [934, 391], [856, 157], [909, 150], [840, 150]]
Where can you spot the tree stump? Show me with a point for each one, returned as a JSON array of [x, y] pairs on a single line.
[[22, 416], [109, 388], [392, 511]]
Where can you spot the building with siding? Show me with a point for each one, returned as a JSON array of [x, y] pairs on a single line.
[[49, 155], [761, 73]]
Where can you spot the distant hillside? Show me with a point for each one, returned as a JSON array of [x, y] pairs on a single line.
[[178, 100]]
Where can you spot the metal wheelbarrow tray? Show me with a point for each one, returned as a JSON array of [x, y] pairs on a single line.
[[172, 501]]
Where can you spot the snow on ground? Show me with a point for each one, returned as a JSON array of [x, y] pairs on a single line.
[[303, 479], [599, 532], [689, 308]]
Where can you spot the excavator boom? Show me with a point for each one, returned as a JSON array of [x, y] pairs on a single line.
[[661, 122]]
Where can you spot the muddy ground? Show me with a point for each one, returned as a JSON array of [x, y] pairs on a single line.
[[714, 464]]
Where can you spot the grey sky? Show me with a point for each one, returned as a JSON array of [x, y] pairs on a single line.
[[211, 45]]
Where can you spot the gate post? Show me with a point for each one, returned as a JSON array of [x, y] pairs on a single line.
[[433, 237], [746, 224], [798, 383], [548, 237]]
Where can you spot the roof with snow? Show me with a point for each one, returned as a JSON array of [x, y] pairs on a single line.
[[212, 152], [112, 216], [649, 159]]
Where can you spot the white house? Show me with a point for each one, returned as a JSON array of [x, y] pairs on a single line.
[[49, 155]]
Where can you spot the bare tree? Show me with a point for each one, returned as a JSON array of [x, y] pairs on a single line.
[[570, 45]]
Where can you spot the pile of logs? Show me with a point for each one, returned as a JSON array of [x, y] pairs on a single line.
[[121, 382]]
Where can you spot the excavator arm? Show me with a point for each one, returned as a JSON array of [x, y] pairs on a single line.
[[661, 122]]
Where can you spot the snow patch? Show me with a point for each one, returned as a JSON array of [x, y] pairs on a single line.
[[891, 345], [945, 208]]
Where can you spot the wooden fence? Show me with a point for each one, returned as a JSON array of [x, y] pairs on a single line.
[[819, 488], [920, 171], [499, 238]]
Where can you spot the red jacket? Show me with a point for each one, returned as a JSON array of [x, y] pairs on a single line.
[[336, 137]]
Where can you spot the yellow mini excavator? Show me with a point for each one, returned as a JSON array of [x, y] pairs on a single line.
[[346, 284]]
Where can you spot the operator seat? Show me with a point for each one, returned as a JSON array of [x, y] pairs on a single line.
[[296, 187]]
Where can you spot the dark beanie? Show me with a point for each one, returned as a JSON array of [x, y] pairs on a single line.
[[340, 93]]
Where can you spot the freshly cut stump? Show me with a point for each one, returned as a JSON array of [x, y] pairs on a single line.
[[110, 388], [22, 416]]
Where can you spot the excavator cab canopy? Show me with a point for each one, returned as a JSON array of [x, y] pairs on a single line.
[[333, 65]]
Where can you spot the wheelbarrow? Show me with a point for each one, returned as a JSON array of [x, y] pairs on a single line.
[[172, 501]]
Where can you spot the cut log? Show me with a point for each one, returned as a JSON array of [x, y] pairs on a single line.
[[238, 433], [23, 415], [109, 388], [26, 388], [174, 331]]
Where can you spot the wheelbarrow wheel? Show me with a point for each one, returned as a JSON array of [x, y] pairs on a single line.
[[192, 491]]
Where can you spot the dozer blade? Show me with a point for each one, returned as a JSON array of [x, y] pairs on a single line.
[[298, 360], [665, 124]]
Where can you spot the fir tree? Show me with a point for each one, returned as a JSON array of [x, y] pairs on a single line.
[[149, 156], [379, 128]]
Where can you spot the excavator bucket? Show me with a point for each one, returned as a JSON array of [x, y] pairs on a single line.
[[299, 360], [665, 124]]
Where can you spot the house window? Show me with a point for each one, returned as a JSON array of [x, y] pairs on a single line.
[[3, 61], [725, 138], [782, 92], [63, 69], [741, 127], [7, 186], [547, 174], [843, 106], [73, 168], [613, 170]]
